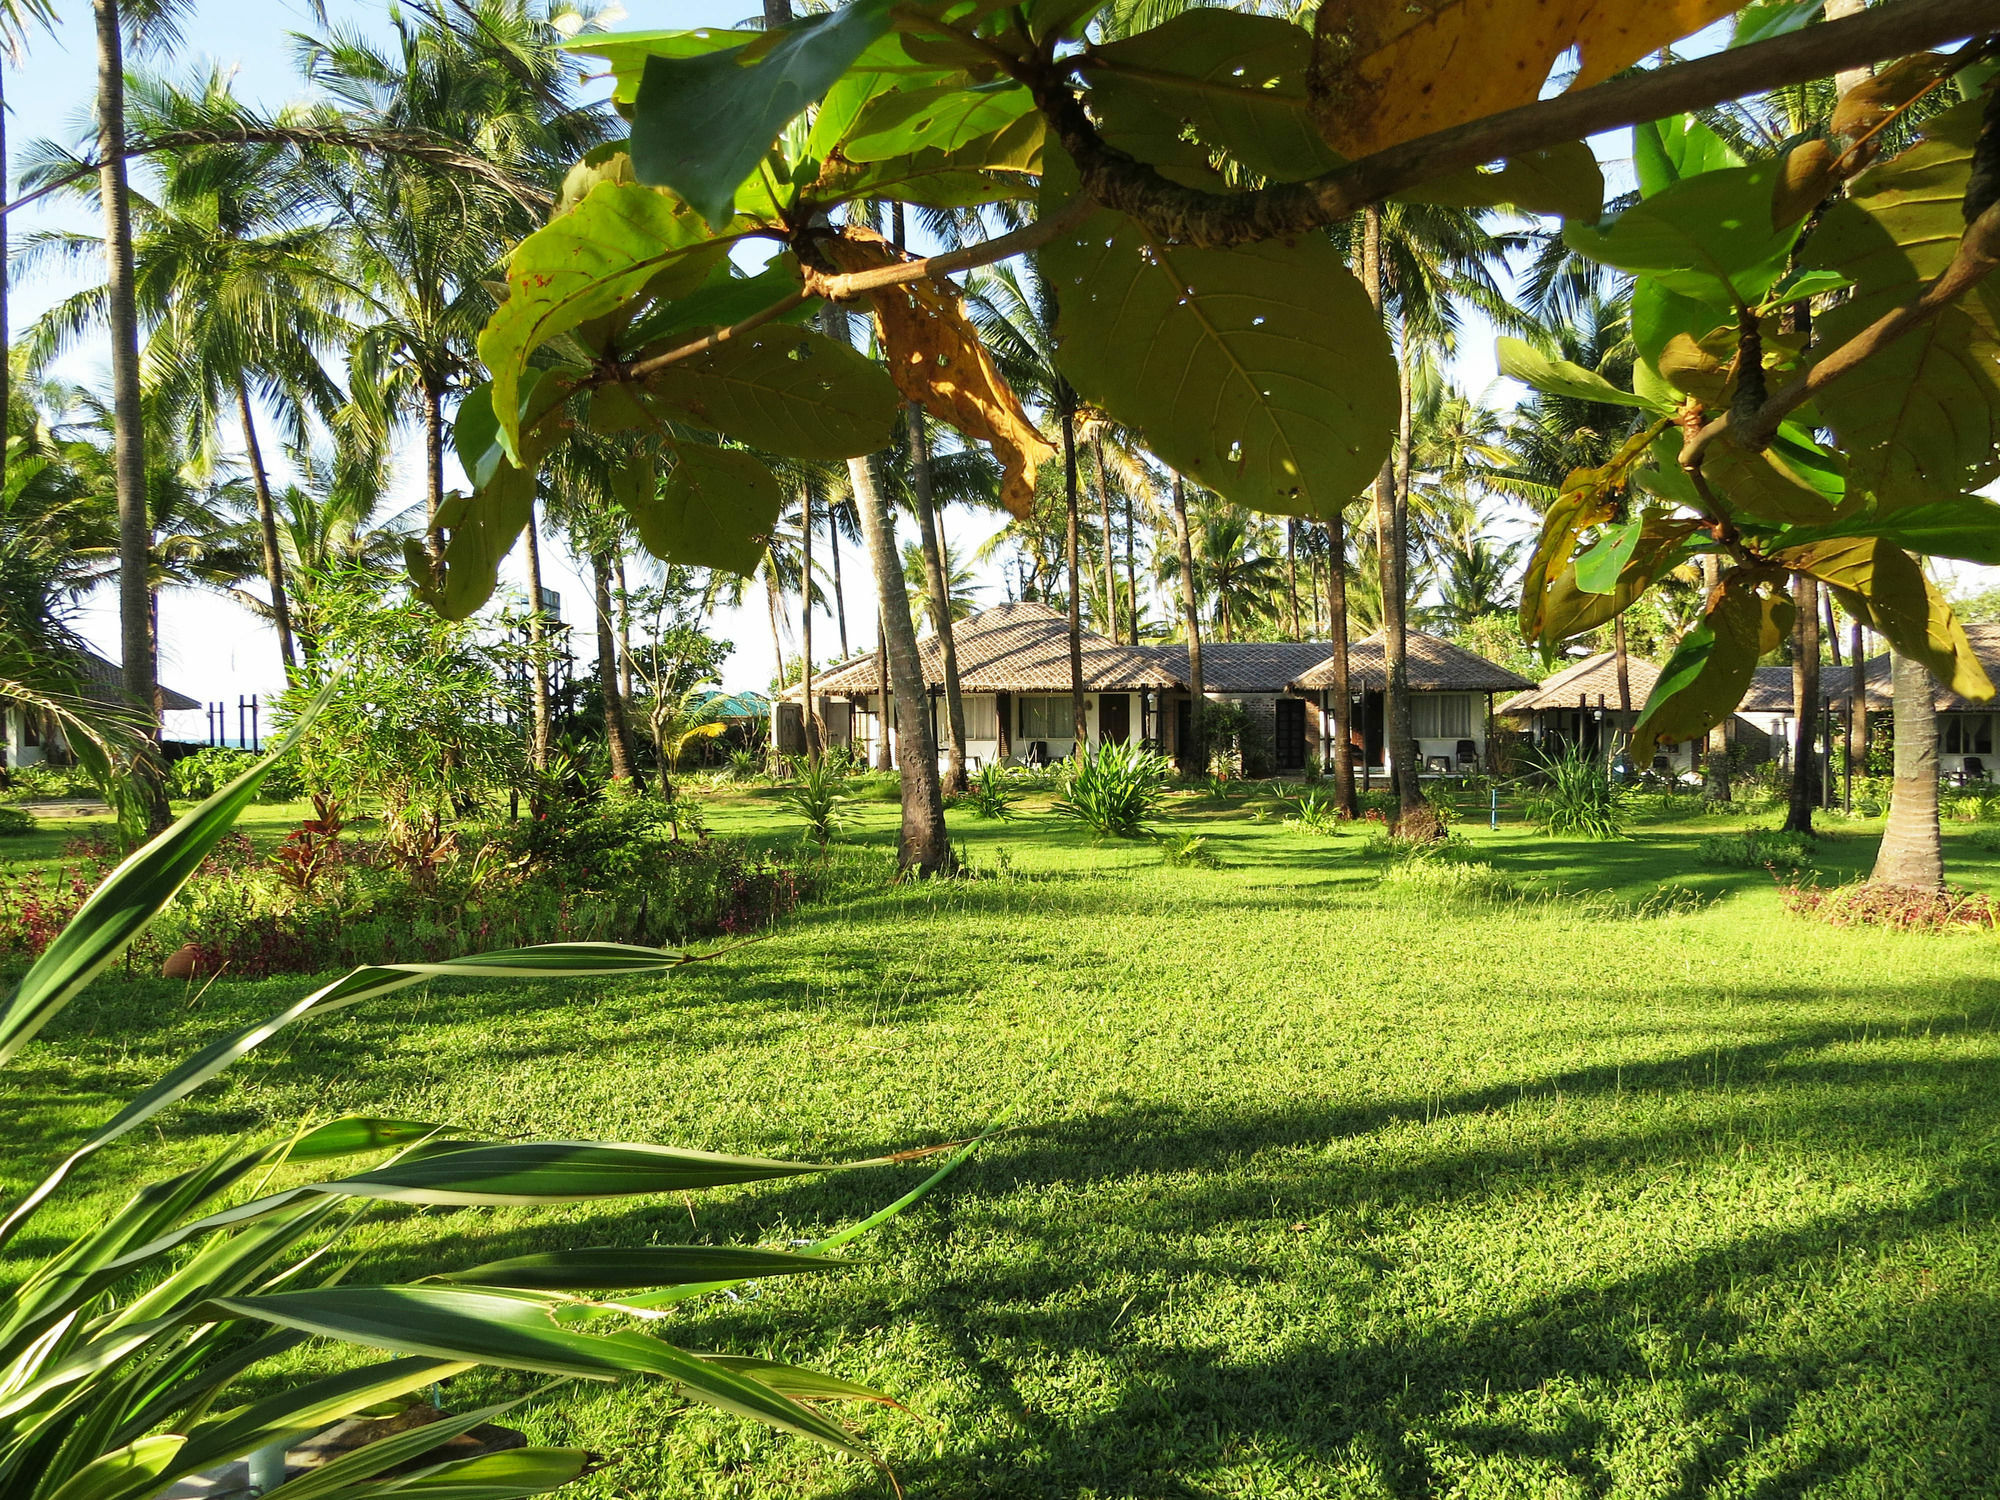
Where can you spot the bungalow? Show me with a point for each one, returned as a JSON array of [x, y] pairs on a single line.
[[30, 740], [1014, 681], [1014, 676]]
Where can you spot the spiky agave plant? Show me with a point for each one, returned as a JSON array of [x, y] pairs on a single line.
[[120, 1353], [1115, 789], [1577, 798]]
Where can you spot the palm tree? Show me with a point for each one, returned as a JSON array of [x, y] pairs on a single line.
[[960, 584], [422, 241], [16, 17], [239, 292]]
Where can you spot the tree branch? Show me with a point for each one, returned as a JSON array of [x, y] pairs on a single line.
[[1978, 255], [1214, 220], [370, 142]]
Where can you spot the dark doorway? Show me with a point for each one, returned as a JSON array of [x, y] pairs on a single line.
[[1184, 748], [1291, 734], [1371, 728], [1114, 717]]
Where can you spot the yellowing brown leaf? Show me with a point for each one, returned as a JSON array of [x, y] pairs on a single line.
[[1873, 100], [1391, 70], [936, 360]]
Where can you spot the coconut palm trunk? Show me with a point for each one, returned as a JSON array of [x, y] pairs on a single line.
[[1343, 697], [622, 601], [1131, 572], [1078, 713], [1194, 754], [433, 404], [1104, 509], [1391, 546], [815, 739], [1857, 705], [1715, 760], [1912, 852], [922, 845], [839, 594], [538, 667], [1805, 706], [137, 638], [936, 581], [267, 530], [617, 733], [1292, 574]]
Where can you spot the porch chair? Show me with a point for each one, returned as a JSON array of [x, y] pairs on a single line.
[[1972, 768], [1467, 756]]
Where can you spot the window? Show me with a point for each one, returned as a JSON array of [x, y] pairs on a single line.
[[1047, 719], [980, 722], [1967, 734], [1442, 716]]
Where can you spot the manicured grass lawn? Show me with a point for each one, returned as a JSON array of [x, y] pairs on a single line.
[[1312, 1191]]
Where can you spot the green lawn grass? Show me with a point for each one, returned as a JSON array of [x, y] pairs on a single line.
[[1311, 1192]]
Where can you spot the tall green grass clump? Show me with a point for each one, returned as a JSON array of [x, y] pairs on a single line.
[[993, 793], [1760, 849], [1114, 790], [1578, 799], [817, 792]]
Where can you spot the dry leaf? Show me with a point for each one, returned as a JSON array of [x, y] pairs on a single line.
[[936, 360], [1873, 100], [1391, 70], [1806, 177]]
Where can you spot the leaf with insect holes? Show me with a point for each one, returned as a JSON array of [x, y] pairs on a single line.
[[1261, 372], [716, 510], [1387, 70], [934, 119], [786, 390]]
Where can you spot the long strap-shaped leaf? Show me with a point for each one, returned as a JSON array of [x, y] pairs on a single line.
[[550, 960], [128, 899]]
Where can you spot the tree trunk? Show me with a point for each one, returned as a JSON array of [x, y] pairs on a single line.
[[433, 464], [885, 755], [1715, 764], [1104, 507], [924, 844], [617, 733], [622, 602], [1131, 572], [777, 650], [1912, 852], [1292, 573], [1391, 548], [1194, 754], [1805, 705], [815, 738], [137, 639], [267, 528], [839, 598], [1076, 702], [1624, 666], [538, 746], [939, 584], [1857, 705], [1343, 700]]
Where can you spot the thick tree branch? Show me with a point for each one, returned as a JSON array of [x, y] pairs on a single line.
[[1978, 255], [422, 148], [1195, 217]]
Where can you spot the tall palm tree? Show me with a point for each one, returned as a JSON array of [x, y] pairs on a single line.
[[422, 241], [238, 290], [960, 586], [17, 17]]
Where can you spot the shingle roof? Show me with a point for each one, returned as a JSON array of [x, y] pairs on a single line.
[[106, 679], [1837, 681], [1435, 666], [1592, 678], [1245, 666], [1018, 647]]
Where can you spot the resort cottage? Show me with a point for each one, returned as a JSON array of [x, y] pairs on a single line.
[[31, 739]]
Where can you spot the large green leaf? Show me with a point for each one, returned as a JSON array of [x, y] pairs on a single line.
[[557, 1172], [1966, 527], [622, 241], [617, 1269], [1792, 482], [1563, 179], [629, 51], [137, 1469], [1238, 80], [726, 298], [496, 1476], [1522, 361], [942, 118], [1261, 372], [716, 510], [129, 898], [1707, 237], [1680, 146], [1881, 585], [517, 1331], [702, 124], [1922, 415], [1711, 668], [358, 1473], [786, 390]]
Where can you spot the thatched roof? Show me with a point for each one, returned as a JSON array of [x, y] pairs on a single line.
[[1435, 666], [106, 680], [1019, 647], [1593, 679], [1837, 682], [1245, 666]]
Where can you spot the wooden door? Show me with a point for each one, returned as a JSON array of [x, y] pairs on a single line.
[[1291, 734], [1114, 717]]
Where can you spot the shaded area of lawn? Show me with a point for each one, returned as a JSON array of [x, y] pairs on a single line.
[[1309, 1194]]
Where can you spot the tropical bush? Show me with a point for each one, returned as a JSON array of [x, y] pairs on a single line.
[[1184, 849], [1318, 813], [1756, 849], [1577, 798], [144, 1351], [1977, 803], [1443, 804], [1115, 789], [1899, 908], [817, 792], [14, 823], [993, 793], [47, 783], [196, 777]]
